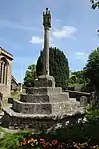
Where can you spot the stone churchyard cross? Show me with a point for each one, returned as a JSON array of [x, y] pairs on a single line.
[[47, 26], [45, 80], [43, 106]]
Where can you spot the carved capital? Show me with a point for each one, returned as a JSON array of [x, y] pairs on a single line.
[[47, 19]]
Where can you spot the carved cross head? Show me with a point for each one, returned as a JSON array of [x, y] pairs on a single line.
[[47, 19]]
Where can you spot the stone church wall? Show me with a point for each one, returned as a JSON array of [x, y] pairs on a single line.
[[5, 88]]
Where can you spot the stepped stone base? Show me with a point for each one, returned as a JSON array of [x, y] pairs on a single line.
[[37, 122], [57, 108], [42, 106]]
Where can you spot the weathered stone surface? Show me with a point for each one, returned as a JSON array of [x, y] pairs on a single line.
[[77, 94], [31, 98], [43, 90], [55, 105], [32, 108], [45, 81], [47, 26], [5, 88], [94, 100], [39, 98], [37, 121], [83, 101]]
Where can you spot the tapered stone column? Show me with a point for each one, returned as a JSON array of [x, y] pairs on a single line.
[[46, 53], [46, 80], [47, 26]]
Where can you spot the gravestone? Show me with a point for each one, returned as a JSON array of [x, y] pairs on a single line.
[[94, 100], [83, 101]]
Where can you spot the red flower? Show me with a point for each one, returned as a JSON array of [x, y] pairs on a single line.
[[54, 142], [42, 141]]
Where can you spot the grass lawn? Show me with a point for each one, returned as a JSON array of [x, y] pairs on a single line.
[[75, 85], [15, 95]]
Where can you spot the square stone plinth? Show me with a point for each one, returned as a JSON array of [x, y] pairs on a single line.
[[45, 81]]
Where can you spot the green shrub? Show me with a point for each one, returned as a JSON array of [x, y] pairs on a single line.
[[11, 141]]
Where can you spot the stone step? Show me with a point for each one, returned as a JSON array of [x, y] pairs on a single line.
[[40, 98], [60, 97], [32, 98], [9, 111], [58, 107], [32, 108], [43, 90], [73, 99], [36, 122]]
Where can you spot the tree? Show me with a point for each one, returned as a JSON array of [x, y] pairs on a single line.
[[74, 78], [80, 76], [91, 70], [94, 4], [58, 66], [77, 77], [30, 76]]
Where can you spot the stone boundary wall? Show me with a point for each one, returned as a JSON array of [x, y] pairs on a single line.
[[77, 95]]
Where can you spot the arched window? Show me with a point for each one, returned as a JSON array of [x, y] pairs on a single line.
[[0, 70], [3, 70]]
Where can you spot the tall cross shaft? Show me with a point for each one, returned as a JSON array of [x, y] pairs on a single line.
[[47, 26]]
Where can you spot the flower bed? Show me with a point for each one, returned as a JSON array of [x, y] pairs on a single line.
[[55, 144]]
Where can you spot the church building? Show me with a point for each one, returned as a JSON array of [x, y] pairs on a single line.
[[5, 72]]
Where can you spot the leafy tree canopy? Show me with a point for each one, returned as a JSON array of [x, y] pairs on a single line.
[[77, 78], [58, 65], [94, 3], [30, 76], [91, 70]]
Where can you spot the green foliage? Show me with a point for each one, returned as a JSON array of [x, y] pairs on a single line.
[[77, 79], [11, 140], [58, 66], [39, 66], [91, 70], [92, 115], [87, 87], [79, 76], [74, 79], [30, 76], [15, 95], [94, 4], [79, 132]]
